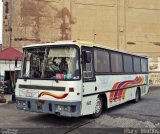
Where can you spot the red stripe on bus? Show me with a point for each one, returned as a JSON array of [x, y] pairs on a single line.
[[62, 96]]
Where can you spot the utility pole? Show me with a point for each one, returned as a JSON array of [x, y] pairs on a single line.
[[121, 24], [7, 23], [10, 22]]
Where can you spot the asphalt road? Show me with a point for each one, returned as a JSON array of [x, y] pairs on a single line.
[[144, 114]]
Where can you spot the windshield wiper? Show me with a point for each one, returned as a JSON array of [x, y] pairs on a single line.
[[56, 80], [26, 78]]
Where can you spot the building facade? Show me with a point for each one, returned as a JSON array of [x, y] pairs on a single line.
[[131, 25]]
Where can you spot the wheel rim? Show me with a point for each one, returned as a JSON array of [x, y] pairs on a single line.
[[98, 106]]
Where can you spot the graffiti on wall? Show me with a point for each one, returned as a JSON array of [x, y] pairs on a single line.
[[154, 69], [154, 79]]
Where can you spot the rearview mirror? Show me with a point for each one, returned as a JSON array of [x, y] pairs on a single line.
[[16, 61], [87, 56]]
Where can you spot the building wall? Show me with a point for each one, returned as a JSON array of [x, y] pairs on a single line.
[[8, 66], [131, 25]]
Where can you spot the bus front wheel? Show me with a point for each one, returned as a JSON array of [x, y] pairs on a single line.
[[98, 107]]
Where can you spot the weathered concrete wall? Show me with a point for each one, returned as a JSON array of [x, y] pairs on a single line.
[[95, 21], [132, 25], [37, 21], [143, 26]]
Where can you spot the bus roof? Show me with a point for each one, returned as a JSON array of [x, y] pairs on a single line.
[[82, 43]]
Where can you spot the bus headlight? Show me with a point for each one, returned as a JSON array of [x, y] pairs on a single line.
[[66, 108], [59, 107], [24, 104], [19, 103]]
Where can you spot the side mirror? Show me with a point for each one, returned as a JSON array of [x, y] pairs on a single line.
[[87, 56], [16, 61]]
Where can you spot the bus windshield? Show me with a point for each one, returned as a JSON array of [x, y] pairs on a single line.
[[60, 62]]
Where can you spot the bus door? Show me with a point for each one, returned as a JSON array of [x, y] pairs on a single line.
[[88, 69], [88, 86]]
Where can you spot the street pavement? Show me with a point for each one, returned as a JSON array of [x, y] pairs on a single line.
[[144, 114]]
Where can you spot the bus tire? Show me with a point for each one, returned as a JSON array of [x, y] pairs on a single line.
[[98, 107], [137, 96], [104, 101]]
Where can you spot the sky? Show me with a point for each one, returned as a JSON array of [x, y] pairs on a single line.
[[0, 21]]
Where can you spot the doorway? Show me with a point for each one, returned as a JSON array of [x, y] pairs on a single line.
[[10, 79]]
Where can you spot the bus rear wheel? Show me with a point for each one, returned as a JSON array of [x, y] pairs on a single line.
[[98, 107], [137, 96]]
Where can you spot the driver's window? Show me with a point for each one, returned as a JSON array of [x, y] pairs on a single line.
[[36, 66]]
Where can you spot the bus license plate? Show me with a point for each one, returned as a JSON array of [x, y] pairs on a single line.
[[28, 93]]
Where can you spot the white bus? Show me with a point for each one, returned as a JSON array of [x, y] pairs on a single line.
[[75, 78]]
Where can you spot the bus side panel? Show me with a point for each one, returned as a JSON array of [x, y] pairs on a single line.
[[129, 95], [89, 99], [128, 92], [144, 90], [88, 105], [118, 89]]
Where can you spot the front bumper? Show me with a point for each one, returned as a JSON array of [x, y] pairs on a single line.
[[46, 106]]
